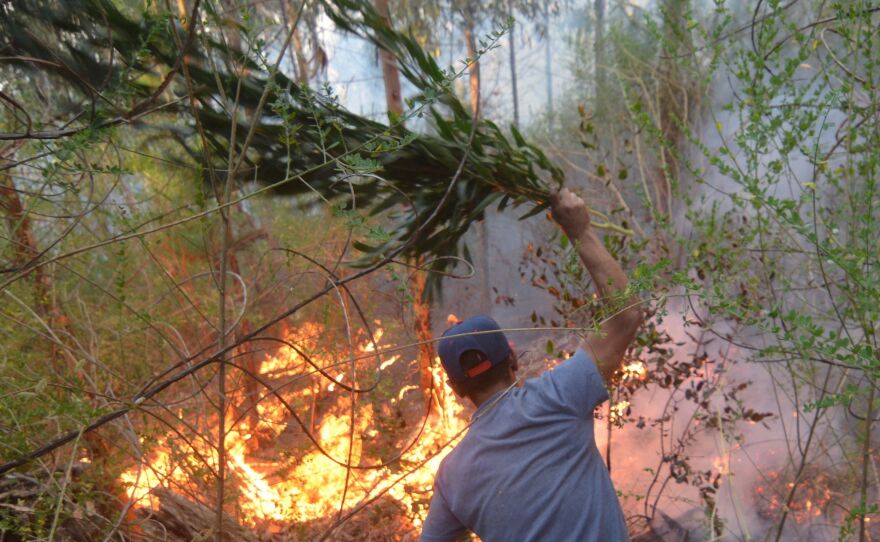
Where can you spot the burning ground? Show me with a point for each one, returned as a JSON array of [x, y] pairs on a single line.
[[287, 486]]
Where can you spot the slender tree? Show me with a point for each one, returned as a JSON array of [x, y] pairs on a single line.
[[513, 82], [599, 47], [418, 291], [390, 74], [470, 39], [673, 96], [548, 64], [297, 55]]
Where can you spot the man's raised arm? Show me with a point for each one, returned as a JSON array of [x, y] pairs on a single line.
[[608, 346]]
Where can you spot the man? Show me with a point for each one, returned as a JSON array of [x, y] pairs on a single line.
[[528, 469]]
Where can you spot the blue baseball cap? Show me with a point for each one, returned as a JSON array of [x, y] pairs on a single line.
[[456, 341]]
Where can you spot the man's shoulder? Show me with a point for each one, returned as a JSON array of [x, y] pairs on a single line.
[[573, 387], [579, 362], [579, 359]]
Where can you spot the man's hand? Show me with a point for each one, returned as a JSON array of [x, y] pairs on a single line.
[[570, 212]]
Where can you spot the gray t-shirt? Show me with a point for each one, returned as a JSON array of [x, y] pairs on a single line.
[[528, 468]]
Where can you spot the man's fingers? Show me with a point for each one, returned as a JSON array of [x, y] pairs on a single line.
[[560, 196]]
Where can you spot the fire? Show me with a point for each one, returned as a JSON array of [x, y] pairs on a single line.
[[722, 465], [618, 412], [288, 361], [635, 371], [811, 500], [279, 486]]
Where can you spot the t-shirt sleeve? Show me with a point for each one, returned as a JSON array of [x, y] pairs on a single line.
[[441, 524], [574, 386]]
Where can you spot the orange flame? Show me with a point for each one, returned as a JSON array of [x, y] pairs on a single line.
[[635, 371], [296, 487], [812, 499], [618, 412]]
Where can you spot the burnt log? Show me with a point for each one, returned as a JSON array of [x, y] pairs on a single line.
[[179, 519]]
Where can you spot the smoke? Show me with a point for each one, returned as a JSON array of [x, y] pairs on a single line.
[[757, 465]]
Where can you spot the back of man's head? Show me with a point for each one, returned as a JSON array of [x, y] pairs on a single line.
[[492, 377], [475, 355]]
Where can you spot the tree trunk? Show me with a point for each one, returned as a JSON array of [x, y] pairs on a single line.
[[474, 71], [513, 74], [302, 65], [599, 49], [548, 66], [231, 10], [319, 59], [673, 99], [867, 460], [422, 325], [421, 309], [25, 252], [297, 57], [482, 227], [183, 13], [390, 74], [25, 247]]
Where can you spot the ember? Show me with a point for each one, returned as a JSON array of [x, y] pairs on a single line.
[[635, 371], [810, 501]]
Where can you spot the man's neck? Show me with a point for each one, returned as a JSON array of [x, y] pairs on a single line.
[[480, 397]]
